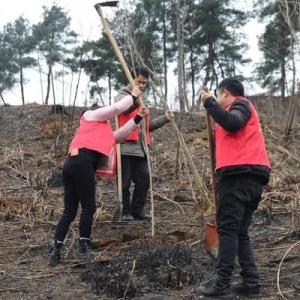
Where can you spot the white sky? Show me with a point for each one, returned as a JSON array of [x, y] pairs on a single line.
[[86, 22]]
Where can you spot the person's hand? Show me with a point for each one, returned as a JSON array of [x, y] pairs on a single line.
[[136, 92], [144, 111], [214, 184], [205, 93], [169, 114]]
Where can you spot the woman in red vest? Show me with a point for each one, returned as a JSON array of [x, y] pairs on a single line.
[[92, 144], [242, 167]]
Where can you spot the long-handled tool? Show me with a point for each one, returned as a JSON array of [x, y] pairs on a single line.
[[116, 48], [118, 210], [113, 41], [211, 234], [119, 207]]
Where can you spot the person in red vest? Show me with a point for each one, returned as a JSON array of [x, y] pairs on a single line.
[[133, 153], [242, 168], [92, 144]]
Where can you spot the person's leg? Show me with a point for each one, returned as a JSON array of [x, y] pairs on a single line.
[[126, 182], [141, 179], [250, 285], [71, 201], [232, 200], [84, 182], [230, 212]]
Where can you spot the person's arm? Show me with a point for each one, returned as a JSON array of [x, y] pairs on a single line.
[[105, 113], [161, 121], [121, 95], [131, 108], [232, 120], [158, 122], [108, 112], [129, 127]]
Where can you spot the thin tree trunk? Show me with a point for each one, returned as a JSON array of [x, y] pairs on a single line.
[[77, 86], [165, 52], [180, 82], [179, 61], [41, 80], [283, 78], [219, 64], [48, 85], [21, 81], [53, 90], [192, 77], [293, 67], [1, 96], [208, 68], [99, 93], [186, 101]]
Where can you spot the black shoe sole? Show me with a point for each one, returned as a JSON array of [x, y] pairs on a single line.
[[122, 220], [221, 297], [247, 295]]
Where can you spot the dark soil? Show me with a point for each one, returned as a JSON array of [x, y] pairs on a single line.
[[33, 144]]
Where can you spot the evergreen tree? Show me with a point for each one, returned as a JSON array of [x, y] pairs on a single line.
[[54, 38], [19, 40]]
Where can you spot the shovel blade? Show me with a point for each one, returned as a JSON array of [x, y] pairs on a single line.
[[119, 207], [211, 241]]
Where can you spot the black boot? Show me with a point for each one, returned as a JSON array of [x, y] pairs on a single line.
[[85, 250], [211, 289], [127, 218], [142, 216], [243, 289], [55, 253]]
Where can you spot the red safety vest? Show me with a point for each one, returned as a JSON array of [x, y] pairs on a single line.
[[93, 135], [123, 119], [244, 147]]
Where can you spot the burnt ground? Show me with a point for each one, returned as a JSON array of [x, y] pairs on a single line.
[[131, 263]]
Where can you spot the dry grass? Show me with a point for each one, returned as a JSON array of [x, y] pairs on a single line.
[[27, 202]]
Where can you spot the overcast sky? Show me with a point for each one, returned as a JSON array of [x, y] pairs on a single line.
[[86, 22]]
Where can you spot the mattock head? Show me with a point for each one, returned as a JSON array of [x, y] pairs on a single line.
[[108, 4]]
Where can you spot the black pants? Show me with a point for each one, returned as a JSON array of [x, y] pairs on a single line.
[[134, 168], [238, 198], [79, 187]]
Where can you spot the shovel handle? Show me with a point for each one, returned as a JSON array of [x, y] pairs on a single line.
[[119, 207], [211, 154]]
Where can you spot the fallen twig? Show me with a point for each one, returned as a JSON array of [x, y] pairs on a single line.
[[279, 268]]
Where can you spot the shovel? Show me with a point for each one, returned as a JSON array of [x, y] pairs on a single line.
[[211, 235]]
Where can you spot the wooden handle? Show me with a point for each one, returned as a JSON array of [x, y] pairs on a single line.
[[118, 212], [117, 49], [211, 148]]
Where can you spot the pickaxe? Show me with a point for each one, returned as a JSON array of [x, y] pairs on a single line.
[[113, 41], [118, 211]]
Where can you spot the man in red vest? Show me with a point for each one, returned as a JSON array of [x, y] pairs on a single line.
[[133, 153], [242, 168]]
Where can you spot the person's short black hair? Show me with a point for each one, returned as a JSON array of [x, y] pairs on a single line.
[[94, 106], [140, 71], [232, 85]]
